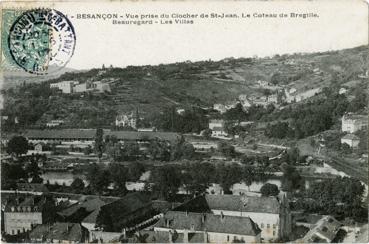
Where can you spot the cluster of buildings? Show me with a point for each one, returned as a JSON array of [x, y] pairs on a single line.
[[69, 87], [352, 123], [276, 97], [137, 218]]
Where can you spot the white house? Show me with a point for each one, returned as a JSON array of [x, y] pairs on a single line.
[[217, 128], [54, 123], [354, 122], [351, 140], [64, 86], [126, 120], [220, 108]]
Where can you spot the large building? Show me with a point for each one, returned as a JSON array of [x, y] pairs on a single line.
[[354, 122], [64, 86], [22, 213], [208, 227], [272, 215], [85, 137]]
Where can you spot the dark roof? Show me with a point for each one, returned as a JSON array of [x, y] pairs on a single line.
[[116, 213], [88, 206], [35, 202], [149, 236], [232, 203], [61, 134], [143, 135], [127, 204], [209, 222], [58, 231], [34, 187]]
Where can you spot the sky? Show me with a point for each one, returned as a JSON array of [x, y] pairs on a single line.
[[341, 24]]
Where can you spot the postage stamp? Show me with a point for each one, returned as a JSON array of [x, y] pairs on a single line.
[[39, 41]]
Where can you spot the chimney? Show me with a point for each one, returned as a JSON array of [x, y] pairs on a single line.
[[186, 213], [67, 227], [203, 217], [205, 236], [185, 236], [170, 237]]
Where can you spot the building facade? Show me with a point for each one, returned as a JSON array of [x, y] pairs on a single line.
[[64, 86], [354, 122], [214, 228]]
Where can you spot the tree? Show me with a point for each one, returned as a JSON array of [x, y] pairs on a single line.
[[291, 180], [78, 185], [182, 149], [34, 172], [99, 142], [17, 145], [98, 178], [226, 149], [166, 181], [269, 190], [207, 133], [119, 176]]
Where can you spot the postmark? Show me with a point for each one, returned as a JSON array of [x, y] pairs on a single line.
[[41, 41]]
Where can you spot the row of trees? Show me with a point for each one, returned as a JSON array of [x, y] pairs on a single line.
[[196, 178], [340, 197]]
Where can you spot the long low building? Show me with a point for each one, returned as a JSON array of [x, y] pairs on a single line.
[[87, 136]]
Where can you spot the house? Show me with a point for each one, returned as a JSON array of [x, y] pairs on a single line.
[[64, 86], [83, 87], [354, 122], [100, 86], [54, 123], [217, 128], [245, 102], [23, 212], [204, 146], [210, 227], [59, 232], [351, 140], [38, 147], [220, 108], [126, 120], [342, 90], [324, 231], [271, 214]]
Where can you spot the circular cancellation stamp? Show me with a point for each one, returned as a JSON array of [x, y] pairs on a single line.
[[41, 41]]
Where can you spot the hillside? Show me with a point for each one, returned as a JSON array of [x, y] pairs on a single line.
[[199, 84]]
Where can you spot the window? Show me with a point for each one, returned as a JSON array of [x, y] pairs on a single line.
[[274, 226], [268, 226], [262, 225], [273, 232], [227, 238]]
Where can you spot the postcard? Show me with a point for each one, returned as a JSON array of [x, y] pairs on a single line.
[[184, 121]]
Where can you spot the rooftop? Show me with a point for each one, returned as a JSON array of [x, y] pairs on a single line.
[[143, 135], [351, 137], [254, 204], [58, 231], [33, 187], [326, 226], [208, 222]]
